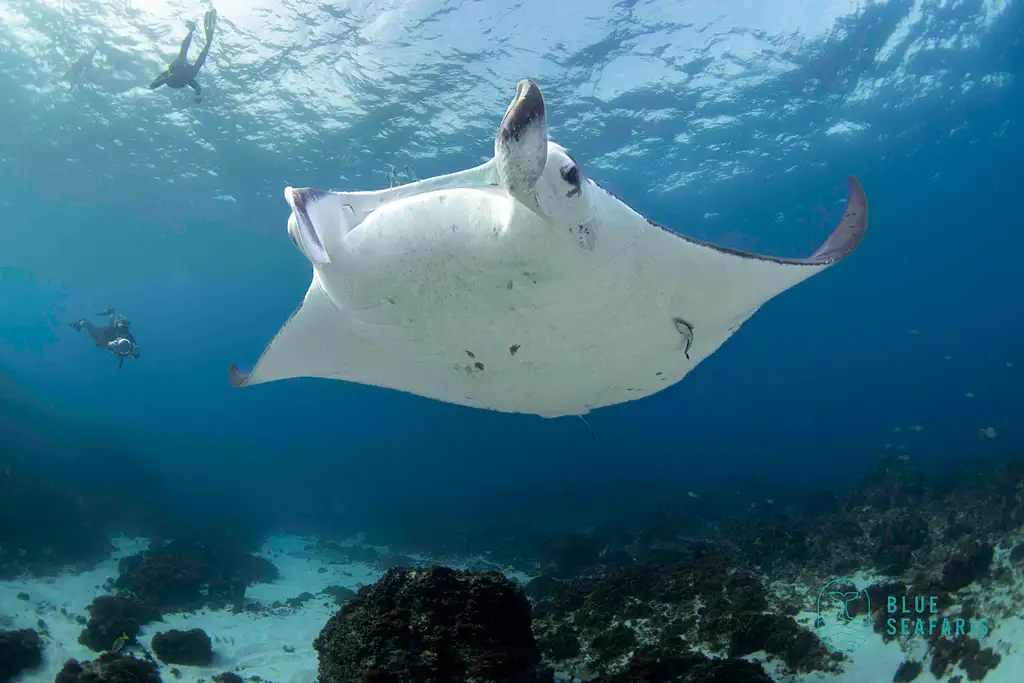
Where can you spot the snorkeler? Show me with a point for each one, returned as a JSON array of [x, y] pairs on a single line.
[[180, 73], [114, 336]]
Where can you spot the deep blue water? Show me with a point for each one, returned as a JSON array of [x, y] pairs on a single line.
[[730, 122]]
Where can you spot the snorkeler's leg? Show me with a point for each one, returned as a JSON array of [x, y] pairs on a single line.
[[199, 91], [95, 332], [120, 362], [160, 80], [210, 22], [182, 59]]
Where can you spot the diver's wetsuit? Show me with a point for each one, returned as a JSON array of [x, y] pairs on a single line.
[[180, 73], [106, 335]]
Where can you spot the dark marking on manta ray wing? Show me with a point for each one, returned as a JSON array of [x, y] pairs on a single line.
[[513, 349], [470, 353], [686, 329], [478, 365], [239, 379], [844, 240], [586, 236]]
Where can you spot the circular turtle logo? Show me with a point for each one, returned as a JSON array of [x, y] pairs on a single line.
[[844, 616]]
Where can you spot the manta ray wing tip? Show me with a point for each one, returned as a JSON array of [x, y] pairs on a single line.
[[849, 233], [238, 378]]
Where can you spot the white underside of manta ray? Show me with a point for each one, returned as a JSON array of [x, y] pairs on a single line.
[[519, 285]]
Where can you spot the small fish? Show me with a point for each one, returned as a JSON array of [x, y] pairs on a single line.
[[988, 432], [691, 494], [917, 428], [969, 394], [119, 644]]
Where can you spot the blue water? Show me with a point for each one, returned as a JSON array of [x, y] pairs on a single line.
[[735, 122]]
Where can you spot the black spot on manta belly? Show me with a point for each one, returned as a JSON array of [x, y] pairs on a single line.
[[470, 353], [478, 365], [513, 349]]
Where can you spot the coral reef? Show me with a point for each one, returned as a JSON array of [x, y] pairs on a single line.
[[191, 648], [188, 573], [673, 663], [109, 668], [19, 651], [591, 623], [43, 529], [112, 616], [420, 625]]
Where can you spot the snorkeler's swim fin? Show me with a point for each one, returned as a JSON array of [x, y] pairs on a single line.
[[210, 23]]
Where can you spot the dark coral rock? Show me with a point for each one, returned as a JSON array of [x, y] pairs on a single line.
[[560, 644], [300, 599], [675, 664], [965, 568], [978, 661], [973, 659], [907, 672], [541, 587], [571, 555], [191, 648], [777, 635], [44, 528], [392, 561], [19, 651], [1017, 554], [109, 668], [617, 558], [111, 617], [228, 677], [175, 573], [340, 594], [436, 624], [707, 602], [613, 643], [172, 581]]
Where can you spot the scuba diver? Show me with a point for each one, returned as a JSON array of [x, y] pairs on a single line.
[[114, 336], [180, 73]]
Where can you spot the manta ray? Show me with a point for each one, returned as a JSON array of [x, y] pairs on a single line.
[[519, 285]]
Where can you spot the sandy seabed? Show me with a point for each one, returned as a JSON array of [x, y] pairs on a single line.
[[276, 644]]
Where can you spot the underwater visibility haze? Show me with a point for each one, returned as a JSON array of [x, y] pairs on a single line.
[[137, 184]]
